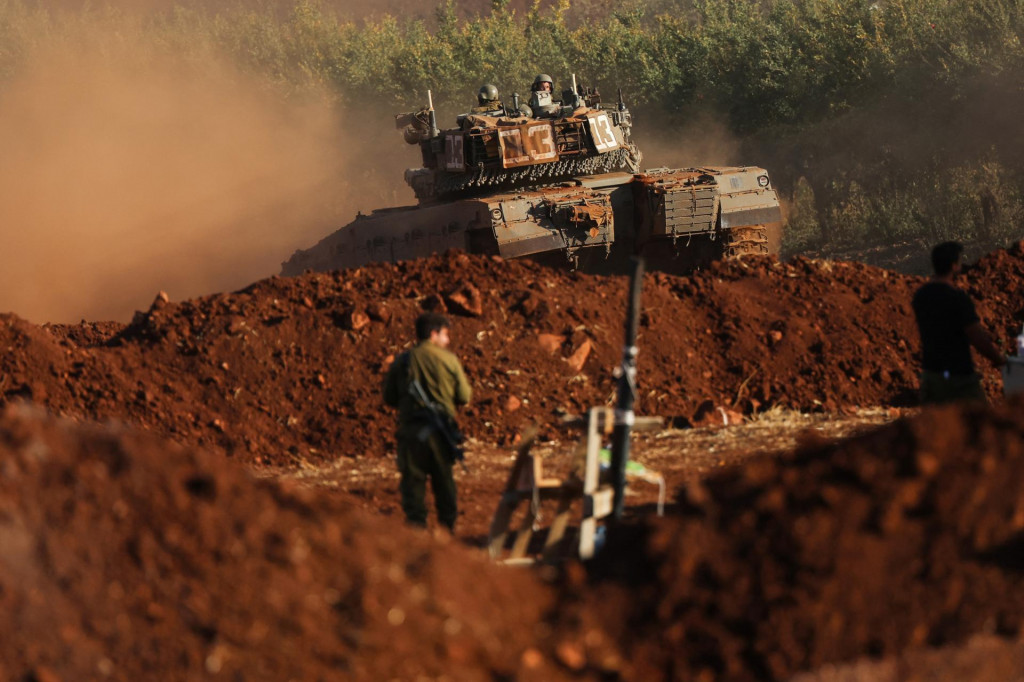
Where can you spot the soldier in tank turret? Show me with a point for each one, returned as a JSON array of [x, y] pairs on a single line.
[[488, 101], [488, 104], [543, 83], [542, 101]]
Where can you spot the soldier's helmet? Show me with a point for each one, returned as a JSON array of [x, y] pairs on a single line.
[[488, 93], [542, 78]]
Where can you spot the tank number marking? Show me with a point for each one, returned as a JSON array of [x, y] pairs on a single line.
[[454, 153], [543, 143], [512, 147], [527, 144], [601, 131]]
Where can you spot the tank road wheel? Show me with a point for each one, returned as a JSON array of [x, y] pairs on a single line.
[[745, 241]]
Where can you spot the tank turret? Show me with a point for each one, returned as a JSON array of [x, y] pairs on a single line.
[[548, 141]]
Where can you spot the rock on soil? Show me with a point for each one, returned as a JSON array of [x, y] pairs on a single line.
[[288, 369]]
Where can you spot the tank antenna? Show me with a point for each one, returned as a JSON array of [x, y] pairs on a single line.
[[622, 105], [434, 132], [574, 90]]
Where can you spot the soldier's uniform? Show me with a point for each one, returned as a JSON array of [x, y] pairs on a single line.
[[422, 452], [492, 107], [943, 313], [488, 102]]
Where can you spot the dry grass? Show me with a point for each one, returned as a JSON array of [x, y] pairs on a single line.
[[680, 455]]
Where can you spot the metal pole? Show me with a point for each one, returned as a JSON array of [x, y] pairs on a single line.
[[434, 132], [624, 416]]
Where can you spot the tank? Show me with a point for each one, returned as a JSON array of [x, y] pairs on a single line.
[[559, 182]]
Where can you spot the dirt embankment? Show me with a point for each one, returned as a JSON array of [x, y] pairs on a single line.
[[909, 536], [126, 558], [289, 368]]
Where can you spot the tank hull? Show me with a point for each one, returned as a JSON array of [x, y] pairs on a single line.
[[591, 222]]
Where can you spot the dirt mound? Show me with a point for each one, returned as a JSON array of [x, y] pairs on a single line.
[[29, 357], [127, 559], [996, 282], [909, 536], [288, 369]]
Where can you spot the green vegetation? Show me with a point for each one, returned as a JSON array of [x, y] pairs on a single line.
[[790, 70]]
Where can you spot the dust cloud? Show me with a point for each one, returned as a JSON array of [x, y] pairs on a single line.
[[700, 140], [134, 171], [348, 10]]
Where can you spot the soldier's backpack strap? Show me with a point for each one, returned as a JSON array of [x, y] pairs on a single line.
[[403, 366], [402, 361]]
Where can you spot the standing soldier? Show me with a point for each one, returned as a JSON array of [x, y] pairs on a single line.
[[423, 449], [949, 326]]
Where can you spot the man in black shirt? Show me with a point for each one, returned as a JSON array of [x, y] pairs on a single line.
[[949, 326]]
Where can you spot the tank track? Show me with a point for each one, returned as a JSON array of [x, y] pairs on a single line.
[[451, 185], [745, 241]]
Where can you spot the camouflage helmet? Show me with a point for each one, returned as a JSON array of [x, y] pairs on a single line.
[[487, 93], [542, 78]]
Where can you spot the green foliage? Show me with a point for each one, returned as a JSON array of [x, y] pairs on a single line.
[[978, 201], [763, 65], [803, 231], [763, 62]]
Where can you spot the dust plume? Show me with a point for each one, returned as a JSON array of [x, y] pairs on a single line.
[[702, 139], [349, 10], [133, 171]]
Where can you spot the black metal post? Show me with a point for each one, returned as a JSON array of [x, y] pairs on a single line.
[[626, 374]]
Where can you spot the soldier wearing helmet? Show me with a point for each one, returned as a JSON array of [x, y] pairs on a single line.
[[543, 82], [488, 101], [542, 96]]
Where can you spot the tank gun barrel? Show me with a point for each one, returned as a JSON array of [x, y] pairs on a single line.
[[575, 101]]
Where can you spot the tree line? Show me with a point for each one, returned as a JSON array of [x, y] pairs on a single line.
[[786, 71]]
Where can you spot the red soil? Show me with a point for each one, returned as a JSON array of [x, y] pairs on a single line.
[[909, 536], [289, 369], [125, 558], [129, 557]]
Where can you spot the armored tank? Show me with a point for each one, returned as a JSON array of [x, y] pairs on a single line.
[[557, 181]]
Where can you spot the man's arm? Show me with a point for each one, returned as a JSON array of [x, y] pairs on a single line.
[[982, 342], [463, 391]]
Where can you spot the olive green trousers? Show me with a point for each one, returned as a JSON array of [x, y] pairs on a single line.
[[417, 461]]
